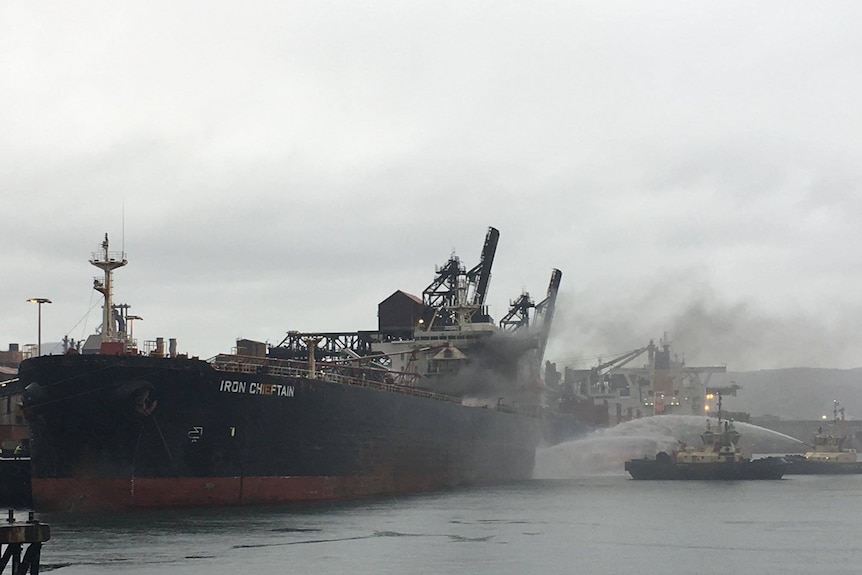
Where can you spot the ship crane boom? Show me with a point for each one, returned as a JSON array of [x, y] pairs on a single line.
[[622, 360]]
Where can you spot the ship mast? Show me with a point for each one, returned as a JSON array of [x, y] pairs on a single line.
[[107, 261]]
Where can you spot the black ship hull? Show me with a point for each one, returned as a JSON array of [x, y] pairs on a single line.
[[666, 469], [15, 482], [798, 465], [121, 432]]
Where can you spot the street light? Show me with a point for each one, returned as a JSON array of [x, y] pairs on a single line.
[[39, 301]]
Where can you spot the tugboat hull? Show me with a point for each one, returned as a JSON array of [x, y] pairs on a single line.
[[799, 465], [663, 468], [829, 455], [15, 482]]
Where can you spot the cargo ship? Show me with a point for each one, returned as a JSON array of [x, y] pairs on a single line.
[[438, 397], [830, 454], [719, 458], [617, 389]]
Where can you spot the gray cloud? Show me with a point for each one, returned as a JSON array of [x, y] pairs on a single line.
[[283, 166]]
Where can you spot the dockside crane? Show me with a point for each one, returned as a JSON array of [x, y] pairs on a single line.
[[456, 294], [442, 293], [545, 312], [518, 317], [479, 277], [517, 321]]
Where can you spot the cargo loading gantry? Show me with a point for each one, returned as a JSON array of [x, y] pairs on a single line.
[[453, 310]]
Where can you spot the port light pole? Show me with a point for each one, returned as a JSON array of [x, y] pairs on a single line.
[[39, 301]]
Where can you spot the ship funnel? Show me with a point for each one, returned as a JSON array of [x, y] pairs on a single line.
[[160, 346], [172, 347]]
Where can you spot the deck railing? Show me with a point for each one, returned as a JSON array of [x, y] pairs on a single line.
[[336, 373]]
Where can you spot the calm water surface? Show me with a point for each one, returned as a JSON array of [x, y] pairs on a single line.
[[593, 524]]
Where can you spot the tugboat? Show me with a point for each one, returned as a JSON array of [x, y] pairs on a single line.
[[719, 458], [829, 455]]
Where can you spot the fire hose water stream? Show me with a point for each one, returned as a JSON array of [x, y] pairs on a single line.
[[606, 450]]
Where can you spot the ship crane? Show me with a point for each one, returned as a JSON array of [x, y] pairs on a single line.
[[590, 382], [623, 359], [616, 363]]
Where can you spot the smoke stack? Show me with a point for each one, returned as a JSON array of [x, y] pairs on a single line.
[[160, 346], [172, 347]]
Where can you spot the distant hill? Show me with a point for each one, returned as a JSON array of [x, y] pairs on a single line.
[[797, 393]]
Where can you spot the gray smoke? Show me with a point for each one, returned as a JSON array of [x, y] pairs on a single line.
[[504, 366], [704, 328]]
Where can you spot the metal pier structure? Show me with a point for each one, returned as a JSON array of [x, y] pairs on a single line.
[[14, 535]]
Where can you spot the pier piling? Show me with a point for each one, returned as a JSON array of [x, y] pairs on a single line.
[[14, 535]]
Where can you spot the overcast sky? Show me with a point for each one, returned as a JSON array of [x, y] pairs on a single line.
[[691, 167]]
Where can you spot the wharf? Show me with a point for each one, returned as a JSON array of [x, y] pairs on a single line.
[[14, 535]]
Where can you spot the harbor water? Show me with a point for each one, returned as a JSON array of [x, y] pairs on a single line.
[[583, 514], [603, 523]]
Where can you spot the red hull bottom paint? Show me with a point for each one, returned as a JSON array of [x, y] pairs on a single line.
[[117, 494]]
